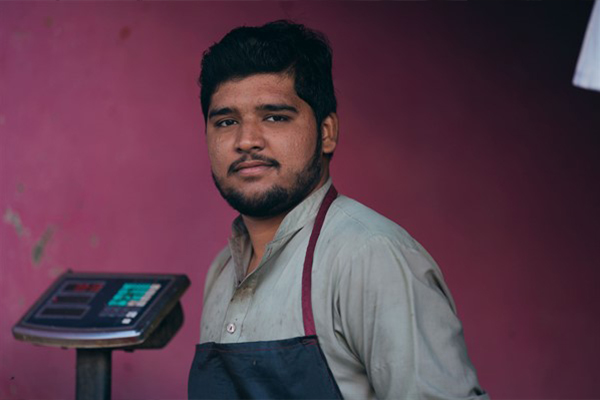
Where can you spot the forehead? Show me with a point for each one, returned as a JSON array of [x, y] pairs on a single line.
[[256, 89]]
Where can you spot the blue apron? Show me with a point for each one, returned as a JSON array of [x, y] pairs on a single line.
[[293, 368]]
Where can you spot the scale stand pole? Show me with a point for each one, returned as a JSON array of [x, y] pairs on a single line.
[[93, 374]]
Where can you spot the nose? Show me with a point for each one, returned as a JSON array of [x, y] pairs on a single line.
[[250, 137]]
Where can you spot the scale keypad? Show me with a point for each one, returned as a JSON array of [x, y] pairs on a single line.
[[129, 301]]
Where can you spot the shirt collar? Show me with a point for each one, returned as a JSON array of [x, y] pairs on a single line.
[[303, 214], [296, 219]]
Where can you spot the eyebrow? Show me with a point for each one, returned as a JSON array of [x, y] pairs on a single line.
[[277, 107], [220, 111], [264, 107]]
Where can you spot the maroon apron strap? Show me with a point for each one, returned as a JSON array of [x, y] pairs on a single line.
[[307, 311]]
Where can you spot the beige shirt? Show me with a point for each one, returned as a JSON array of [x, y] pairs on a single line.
[[383, 314]]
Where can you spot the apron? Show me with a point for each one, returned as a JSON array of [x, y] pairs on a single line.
[[293, 368]]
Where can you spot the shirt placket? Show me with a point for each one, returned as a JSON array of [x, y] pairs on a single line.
[[239, 305], [237, 310]]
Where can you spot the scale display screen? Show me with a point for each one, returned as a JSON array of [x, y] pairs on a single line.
[[117, 308]]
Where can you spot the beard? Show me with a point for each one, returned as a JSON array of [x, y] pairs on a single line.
[[277, 199]]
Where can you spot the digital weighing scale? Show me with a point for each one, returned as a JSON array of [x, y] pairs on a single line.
[[96, 313]]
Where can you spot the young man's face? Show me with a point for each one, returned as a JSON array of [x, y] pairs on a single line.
[[262, 143]]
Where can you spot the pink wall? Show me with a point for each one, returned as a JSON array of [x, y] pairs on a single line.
[[458, 121]]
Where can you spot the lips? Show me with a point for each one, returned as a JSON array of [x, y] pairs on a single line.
[[252, 166]]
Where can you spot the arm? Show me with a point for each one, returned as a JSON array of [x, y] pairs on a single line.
[[399, 319]]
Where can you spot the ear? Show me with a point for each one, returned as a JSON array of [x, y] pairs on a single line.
[[329, 133]]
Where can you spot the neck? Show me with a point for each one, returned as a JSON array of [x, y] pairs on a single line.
[[263, 230]]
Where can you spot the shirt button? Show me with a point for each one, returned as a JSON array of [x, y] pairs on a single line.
[[231, 328]]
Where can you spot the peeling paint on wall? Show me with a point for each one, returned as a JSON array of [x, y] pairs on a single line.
[[124, 33], [94, 241], [55, 271], [13, 218], [38, 250]]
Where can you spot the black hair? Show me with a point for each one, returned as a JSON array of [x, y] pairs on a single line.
[[277, 47]]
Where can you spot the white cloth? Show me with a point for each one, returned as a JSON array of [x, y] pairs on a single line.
[[587, 73], [383, 314]]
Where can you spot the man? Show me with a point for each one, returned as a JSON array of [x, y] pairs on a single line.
[[316, 295]]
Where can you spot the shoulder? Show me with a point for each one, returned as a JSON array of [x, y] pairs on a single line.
[[350, 221], [365, 246]]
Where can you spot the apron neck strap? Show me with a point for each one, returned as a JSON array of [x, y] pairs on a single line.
[[307, 311]]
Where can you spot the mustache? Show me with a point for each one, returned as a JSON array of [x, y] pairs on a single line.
[[271, 162]]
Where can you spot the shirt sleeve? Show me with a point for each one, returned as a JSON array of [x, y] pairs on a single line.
[[398, 318]]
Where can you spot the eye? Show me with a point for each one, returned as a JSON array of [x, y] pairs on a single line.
[[225, 123], [277, 118]]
